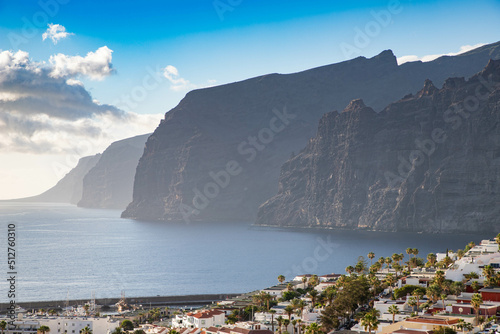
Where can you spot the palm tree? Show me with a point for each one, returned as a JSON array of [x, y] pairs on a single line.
[[349, 269], [86, 330], [433, 292], [371, 256], [267, 297], [43, 329], [393, 309], [314, 280], [3, 325], [304, 281], [431, 258], [409, 251], [313, 329], [281, 279], [294, 323], [476, 303], [86, 307], [497, 239], [390, 280], [313, 294], [118, 330], [411, 302], [488, 273], [475, 286], [286, 322], [418, 294], [388, 262], [280, 323], [289, 310], [369, 321], [272, 318]]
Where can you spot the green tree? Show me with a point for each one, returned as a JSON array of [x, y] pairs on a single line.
[[272, 318], [349, 269], [433, 292], [3, 325], [43, 329], [127, 325], [393, 309], [313, 294], [314, 280], [280, 319], [139, 331], [314, 329], [371, 256], [281, 279], [370, 321], [431, 259], [444, 330], [117, 330], [289, 310], [86, 330], [476, 303]]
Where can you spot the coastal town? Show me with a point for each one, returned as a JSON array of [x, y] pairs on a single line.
[[406, 293]]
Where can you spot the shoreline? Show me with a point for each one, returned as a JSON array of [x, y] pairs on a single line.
[[181, 300]]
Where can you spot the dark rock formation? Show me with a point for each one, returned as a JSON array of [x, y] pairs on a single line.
[[69, 188], [429, 162], [185, 172], [109, 183]]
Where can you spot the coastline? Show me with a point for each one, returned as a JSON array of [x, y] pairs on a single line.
[[154, 301]]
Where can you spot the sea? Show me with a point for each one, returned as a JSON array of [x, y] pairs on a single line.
[[66, 252]]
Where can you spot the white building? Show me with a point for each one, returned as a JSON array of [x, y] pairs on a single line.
[[68, 325], [469, 264], [202, 319], [75, 325]]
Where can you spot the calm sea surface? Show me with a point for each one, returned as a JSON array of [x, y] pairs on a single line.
[[62, 250]]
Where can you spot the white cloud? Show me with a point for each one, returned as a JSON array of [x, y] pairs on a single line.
[[178, 83], [463, 49], [96, 65], [55, 32], [43, 113]]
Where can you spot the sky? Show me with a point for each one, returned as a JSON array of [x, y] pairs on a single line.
[[78, 75]]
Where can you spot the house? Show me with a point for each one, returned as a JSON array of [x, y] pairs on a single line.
[[490, 294], [329, 277], [419, 280], [474, 262], [202, 319], [323, 286], [421, 323], [276, 291], [236, 330]]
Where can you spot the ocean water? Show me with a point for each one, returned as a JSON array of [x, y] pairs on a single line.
[[65, 251]]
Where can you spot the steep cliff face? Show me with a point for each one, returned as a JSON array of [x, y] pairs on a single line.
[[217, 155], [109, 183], [69, 188], [429, 162]]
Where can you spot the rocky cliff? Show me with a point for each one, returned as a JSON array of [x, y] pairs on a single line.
[[217, 155], [109, 183], [429, 162], [69, 188]]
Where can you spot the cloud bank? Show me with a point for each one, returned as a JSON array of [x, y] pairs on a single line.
[[463, 49], [45, 109]]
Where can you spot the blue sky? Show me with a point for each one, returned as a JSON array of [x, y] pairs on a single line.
[[208, 43]]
